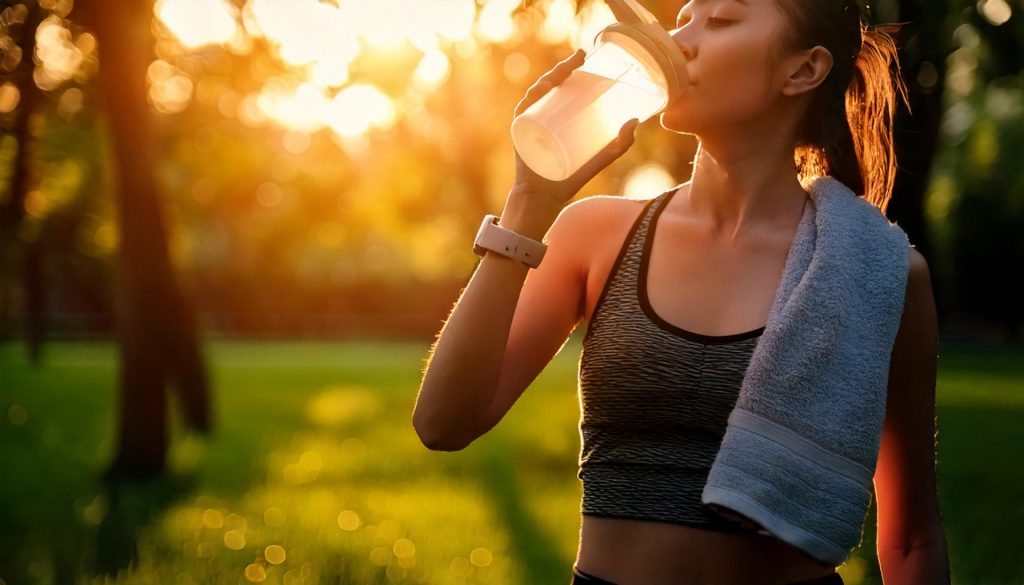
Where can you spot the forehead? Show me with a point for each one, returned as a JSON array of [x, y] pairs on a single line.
[[704, 2]]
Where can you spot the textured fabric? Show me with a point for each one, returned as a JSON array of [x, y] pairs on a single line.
[[654, 398], [801, 445]]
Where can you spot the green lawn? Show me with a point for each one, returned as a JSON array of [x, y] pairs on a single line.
[[314, 475]]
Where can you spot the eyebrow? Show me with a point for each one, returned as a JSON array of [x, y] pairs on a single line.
[[701, 2]]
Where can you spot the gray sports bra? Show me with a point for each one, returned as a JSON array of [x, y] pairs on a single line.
[[654, 398]]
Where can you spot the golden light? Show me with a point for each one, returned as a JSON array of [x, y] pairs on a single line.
[[213, 518], [332, 70], [495, 23], [961, 66], [359, 107], [404, 548], [425, 42], [304, 32], [70, 102], [9, 97], [348, 520], [380, 556], [275, 554], [255, 573], [432, 70], [300, 108], [196, 24], [460, 567], [481, 557], [647, 180], [516, 66], [592, 20], [274, 517], [559, 23], [997, 12], [389, 23], [234, 539], [342, 404], [170, 90], [455, 21], [59, 7], [58, 57]]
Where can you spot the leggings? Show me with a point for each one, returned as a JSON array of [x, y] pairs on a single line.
[[581, 578]]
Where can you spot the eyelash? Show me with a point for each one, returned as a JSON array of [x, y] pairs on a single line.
[[711, 21]]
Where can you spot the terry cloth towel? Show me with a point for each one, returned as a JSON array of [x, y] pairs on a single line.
[[800, 447]]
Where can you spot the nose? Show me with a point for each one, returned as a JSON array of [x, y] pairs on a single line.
[[684, 38]]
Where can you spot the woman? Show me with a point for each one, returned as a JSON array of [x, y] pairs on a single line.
[[773, 81]]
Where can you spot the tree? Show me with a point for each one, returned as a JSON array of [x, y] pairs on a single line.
[[156, 323]]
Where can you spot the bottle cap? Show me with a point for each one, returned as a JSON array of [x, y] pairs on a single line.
[[639, 32]]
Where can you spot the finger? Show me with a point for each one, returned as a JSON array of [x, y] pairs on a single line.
[[534, 93], [560, 72], [549, 80]]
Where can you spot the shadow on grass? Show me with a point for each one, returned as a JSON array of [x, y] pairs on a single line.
[[535, 548], [131, 507]]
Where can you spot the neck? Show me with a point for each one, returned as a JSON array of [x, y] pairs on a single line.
[[745, 182]]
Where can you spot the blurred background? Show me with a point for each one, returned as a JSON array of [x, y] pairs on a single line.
[[230, 230]]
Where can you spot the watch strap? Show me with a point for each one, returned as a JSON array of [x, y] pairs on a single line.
[[506, 242]]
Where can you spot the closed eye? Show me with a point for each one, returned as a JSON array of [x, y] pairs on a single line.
[[717, 22]]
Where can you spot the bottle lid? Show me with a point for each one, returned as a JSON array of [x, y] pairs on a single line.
[[640, 33]]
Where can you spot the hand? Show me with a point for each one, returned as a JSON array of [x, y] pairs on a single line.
[[556, 193]]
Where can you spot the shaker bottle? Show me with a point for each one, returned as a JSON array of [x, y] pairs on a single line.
[[634, 71]]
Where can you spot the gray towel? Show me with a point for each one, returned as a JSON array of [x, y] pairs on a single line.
[[800, 448]]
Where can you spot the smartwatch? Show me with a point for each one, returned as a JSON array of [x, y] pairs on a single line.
[[506, 242]]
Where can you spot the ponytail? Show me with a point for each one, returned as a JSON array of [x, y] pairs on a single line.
[[871, 111], [848, 130]]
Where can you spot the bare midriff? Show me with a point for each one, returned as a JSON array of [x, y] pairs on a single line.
[[640, 552]]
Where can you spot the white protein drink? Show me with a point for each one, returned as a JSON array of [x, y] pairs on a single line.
[[570, 124]]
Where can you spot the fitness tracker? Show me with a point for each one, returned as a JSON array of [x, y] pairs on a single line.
[[506, 242]]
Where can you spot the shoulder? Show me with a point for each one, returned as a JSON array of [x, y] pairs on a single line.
[[918, 266], [919, 320], [919, 285], [586, 226], [584, 220]]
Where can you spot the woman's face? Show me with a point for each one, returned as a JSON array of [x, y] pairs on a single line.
[[731, 47]]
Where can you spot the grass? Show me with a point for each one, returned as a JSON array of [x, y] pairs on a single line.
[[314, 475]]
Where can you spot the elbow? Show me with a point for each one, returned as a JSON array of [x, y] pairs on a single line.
[[440, 443], [435, 440]]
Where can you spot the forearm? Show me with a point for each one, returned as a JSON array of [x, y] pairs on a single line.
[[923, 563], [463, 371]]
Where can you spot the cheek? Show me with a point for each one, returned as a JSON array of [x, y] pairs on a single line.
[[733, 85]]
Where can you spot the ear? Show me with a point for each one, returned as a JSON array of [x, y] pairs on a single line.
[[806, 70]]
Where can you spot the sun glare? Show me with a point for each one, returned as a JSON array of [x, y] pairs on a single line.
[[196, 24], [359, 107], [317, 44]]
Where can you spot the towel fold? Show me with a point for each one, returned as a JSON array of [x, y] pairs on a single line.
[[802, 441]]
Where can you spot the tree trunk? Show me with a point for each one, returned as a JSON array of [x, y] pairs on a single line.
[[922, 45], [29, 255], [156, 327]]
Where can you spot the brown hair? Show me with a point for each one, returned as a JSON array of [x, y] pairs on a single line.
[[853, 110]]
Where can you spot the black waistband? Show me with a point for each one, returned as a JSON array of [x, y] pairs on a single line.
[[581, 578]]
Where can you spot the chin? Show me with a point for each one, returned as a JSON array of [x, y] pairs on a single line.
[[675, 121]]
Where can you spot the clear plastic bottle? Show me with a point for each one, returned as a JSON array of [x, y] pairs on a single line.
[[634, 71]]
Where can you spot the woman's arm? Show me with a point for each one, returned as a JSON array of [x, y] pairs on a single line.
[[502, 332], [911, 539]]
